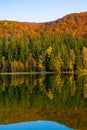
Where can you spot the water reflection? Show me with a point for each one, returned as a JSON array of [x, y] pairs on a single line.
[[58, 98], [37, 125]]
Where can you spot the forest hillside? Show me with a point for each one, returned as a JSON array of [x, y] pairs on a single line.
[[59, 45]]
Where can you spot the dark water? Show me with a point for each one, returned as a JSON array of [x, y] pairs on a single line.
[[52, 102]]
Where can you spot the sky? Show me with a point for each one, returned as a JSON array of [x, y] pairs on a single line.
[[39, 10]]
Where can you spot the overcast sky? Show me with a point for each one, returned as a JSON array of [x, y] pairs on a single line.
[[39, 10]]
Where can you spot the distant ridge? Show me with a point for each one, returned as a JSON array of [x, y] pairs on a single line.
[[73, 24]]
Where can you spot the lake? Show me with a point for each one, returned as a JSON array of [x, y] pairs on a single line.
[[42, 102]]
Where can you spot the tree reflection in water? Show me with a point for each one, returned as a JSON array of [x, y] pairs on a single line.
[[59, 98]]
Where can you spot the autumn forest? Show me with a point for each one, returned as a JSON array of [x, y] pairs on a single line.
[[55, 46]]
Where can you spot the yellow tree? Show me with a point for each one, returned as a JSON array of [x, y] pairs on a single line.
[[85, 57]]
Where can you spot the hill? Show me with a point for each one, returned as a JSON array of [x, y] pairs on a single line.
[[74, 24], [59, 45]]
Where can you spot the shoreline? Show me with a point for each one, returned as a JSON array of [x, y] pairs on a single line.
[[26, 73], [42, 73]]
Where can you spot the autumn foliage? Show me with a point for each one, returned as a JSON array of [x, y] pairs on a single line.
[[59, 45], [75, 24]]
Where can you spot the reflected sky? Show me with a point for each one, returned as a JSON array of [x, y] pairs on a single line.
[[35, 125]]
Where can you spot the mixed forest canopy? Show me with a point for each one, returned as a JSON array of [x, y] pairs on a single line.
[[59, 45]]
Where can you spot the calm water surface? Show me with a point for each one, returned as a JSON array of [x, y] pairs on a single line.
[[55, 102], [38, 125]]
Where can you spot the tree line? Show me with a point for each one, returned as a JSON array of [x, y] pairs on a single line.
[[43, 53]]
